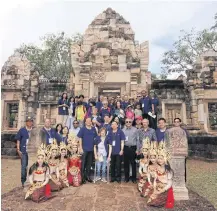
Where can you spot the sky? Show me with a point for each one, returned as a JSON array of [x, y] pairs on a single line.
[[23, 21]]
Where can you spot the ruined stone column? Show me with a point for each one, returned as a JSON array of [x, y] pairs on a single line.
[[177, 145]]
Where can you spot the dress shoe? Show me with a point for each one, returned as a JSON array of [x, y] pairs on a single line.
[[126, 180], [112, 180], [119, 181], [89, 180], [83, 181], [22, 185], [134, 181]]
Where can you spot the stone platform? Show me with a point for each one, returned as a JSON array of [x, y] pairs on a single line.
[[97, 197]]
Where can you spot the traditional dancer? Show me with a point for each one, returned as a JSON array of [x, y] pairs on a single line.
[[74, 168], [39, 189], [151, 171], [162, 192], [63, 165], [53, 162], [143, 163]]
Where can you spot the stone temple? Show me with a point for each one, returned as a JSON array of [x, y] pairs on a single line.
[[109, 60]]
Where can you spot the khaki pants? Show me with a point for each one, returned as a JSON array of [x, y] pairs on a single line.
[[62, 119]]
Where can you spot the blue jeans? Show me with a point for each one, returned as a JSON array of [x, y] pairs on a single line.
[[24, 164], [102, 164]]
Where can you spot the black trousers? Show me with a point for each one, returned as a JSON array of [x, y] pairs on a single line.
[[129, 159], [87, 159], [116, 167], [153, 122]]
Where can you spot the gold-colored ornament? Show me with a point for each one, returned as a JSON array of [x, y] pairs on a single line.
[[42, 150], [153, 148], [51, 147], [162, 151], [146, 143]]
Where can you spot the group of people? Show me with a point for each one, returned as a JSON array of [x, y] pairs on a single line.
[[67, 152], [118, 109]]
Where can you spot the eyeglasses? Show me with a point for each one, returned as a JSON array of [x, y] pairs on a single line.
[[75, 123], [128, 122]]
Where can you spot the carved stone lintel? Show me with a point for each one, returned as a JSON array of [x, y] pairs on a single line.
[[98, 77]]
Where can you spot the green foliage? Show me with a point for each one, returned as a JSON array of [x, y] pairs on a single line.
[[188, 48], [53, 58]]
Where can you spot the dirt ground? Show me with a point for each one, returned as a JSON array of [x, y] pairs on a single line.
[[201, 178]]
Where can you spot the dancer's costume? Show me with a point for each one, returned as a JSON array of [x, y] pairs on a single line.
[[39, 189], [74, 167], [53, 163], [63, 166], [162, 183], [143, 163]]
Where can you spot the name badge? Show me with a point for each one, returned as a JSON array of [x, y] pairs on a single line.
[[50, 140], [143, 105], [113, 143], [126, 138], [64, 108], [27, 141]]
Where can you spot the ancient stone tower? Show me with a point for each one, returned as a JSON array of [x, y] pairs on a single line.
[[109, 60]]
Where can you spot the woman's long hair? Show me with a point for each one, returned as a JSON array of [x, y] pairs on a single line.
[[63, 94], [61, 128]]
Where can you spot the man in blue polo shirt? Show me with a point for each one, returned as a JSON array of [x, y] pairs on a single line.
[[116, 138], [48, 134], [105, 110], [160, 132], [145, 102], [81, 99], [87, 135], [125, 103], [23, 137]]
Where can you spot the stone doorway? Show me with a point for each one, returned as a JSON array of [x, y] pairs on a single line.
[[110, 92]]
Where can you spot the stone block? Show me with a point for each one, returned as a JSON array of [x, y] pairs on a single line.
[[194, 115], [104, 52], [104, 34], [99, 59], [9, 151], [121, 59], [86, 48], [194, 108], [114, 59], [115, 67], [116, 45], [20, 82], [123, 67], [9, 144]]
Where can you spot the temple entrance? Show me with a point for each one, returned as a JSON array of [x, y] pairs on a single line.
[[109, 92]]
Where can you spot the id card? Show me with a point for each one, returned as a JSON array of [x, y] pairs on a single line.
[[113, 143], [143, 105], [64, 108], [27, 141], [126, 138], [50, 140]]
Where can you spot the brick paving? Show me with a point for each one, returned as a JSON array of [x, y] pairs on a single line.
[[88, 197]]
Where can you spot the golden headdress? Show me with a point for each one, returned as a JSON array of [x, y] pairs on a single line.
[[153, 148], [146, 143], [51, 147], [71, 137], [41, 150], [62, 146], [162, 151]]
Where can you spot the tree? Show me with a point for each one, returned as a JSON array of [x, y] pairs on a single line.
[[53, 59], [188, 48]]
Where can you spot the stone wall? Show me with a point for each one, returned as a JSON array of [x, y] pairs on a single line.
[[8, 145], [203, 146]]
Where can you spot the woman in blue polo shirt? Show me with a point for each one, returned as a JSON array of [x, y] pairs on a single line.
[[116, 138], [63, 108], [87, 135]]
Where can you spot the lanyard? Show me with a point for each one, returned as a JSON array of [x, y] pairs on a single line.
[[64, 139], [48, 132]]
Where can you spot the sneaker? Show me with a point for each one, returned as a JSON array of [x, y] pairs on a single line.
[[97, 179], [103, 180]]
